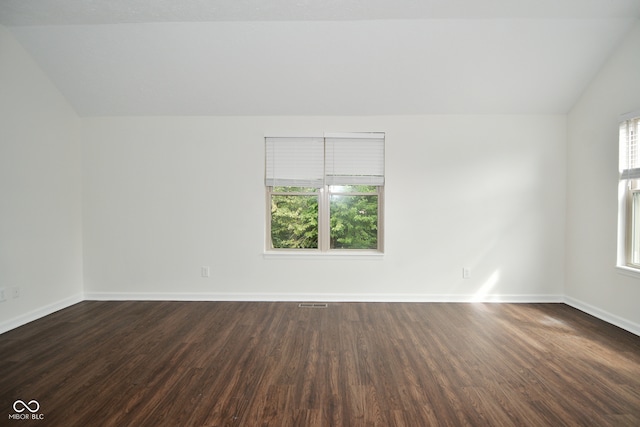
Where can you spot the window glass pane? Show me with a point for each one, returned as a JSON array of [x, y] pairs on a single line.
[[635, 228], [295, 190], [353, 188], [294, 222], [354, 222]]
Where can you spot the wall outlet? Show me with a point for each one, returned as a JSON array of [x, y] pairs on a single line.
[[15, 292], [2, 295], [205, 271], [466, 273]]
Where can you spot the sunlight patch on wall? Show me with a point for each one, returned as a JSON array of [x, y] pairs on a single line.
[[486, 288]]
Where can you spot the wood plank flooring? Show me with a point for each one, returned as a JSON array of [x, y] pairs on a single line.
[[350, 364]]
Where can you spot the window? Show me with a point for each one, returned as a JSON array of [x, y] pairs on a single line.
[[629, 209], [325, 193]]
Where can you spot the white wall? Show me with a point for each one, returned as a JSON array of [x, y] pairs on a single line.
[[593, 283], [40, 190], [165, 196]]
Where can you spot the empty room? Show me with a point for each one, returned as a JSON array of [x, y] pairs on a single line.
[[319, 213]]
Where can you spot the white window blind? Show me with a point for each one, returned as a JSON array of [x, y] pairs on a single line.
[[354, 159], [336, 159], [629, 149], [294, 162]]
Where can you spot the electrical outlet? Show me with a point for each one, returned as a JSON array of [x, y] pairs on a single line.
[[2, 295], [205, 271], [15, 292], [466, 273]]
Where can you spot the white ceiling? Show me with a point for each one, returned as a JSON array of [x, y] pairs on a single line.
[[88, 12], [342, 57]]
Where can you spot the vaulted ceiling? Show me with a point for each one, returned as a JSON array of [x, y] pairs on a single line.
[[335, 57]]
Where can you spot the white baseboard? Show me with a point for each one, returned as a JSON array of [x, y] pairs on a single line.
[[270, 297], [39, 313], [625, 324], [321, 297]]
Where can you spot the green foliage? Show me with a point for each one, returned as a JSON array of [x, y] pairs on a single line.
[[352, 189], [353, 219], [295, 189], [294, 222], [354, 222]]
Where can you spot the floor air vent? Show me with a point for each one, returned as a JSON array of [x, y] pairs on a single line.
[[312, 305]]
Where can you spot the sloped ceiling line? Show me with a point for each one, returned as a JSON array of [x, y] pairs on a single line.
[[347, 57]]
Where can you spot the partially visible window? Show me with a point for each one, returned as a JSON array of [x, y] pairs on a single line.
[[629, 209], [325, 193], [634, 237]]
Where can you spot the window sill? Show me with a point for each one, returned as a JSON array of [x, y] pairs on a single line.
[[628, 271], [333, 255]]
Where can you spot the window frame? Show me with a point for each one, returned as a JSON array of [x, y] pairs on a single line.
[[629, 185], [270, 193], [324, 221], [323, 195], [633, 227]]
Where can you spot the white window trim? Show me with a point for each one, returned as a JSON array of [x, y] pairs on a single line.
[[351, 254], [625, 270]]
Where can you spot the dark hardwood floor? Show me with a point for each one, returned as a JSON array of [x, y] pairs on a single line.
[[350, 364]]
